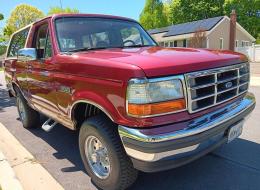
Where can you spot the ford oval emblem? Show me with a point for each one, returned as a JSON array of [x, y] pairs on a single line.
[[228, 84]]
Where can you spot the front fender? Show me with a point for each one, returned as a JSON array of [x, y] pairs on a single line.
[[103, 103]]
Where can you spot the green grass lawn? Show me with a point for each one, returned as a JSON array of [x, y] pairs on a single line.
[[1, 69]]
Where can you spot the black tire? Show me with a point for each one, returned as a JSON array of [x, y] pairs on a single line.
[[122, 174], [31, 118]]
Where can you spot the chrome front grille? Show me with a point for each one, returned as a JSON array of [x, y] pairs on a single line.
[[212, 87]]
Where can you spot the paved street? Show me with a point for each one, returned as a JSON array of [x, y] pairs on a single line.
[[233, 166]]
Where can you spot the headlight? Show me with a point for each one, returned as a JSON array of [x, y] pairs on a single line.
[[152, 97]]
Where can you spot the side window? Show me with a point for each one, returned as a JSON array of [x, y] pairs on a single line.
[[18, 42], [42, 42], [48, 48]]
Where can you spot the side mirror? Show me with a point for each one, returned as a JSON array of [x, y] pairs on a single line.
[[27, 54]]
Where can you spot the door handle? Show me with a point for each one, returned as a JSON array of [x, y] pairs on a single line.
[[12, 69], [29, 68]]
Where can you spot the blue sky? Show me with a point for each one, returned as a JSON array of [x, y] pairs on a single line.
[[127, 8]]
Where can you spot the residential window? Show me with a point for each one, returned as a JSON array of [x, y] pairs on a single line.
[[175, 43], [161, 44], [166, 44], [245, 43], [171, 44], [236, 43], [221, 43], [184, 43]]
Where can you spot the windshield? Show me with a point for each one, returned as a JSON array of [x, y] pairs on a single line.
[[83, 33]]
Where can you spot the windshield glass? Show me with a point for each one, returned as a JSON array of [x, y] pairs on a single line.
[[83, 33]]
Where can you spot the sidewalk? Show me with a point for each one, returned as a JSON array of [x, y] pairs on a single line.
[[28, 170], [8, 180], [255, 81]]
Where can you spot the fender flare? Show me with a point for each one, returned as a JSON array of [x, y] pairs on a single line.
[[92, 103]]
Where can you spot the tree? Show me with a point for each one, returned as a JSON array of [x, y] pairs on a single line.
[[198, 40], [153, 15], [3, 43], [248, 14], [190, 10], [56, 10], [1, 16], [167, 11], [21, 16]]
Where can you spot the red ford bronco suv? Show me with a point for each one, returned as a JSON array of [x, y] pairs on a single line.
[[137, 106]]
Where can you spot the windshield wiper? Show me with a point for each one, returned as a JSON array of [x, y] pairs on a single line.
[[139, 45], [87, 49], [98, 48]]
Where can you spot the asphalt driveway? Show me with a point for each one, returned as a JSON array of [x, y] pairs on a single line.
[[233, 166]]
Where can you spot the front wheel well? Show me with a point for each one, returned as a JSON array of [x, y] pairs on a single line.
[[82, 111]]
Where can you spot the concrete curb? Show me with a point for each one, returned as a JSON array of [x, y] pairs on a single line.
[[8, 179], [28, 170]]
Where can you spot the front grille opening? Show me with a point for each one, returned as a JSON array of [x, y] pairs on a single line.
[[202, 103], [203, 80], [243, 88], [227, 85], [244, 79], [227, 75], [212, 87], [244, 70], [226, 95], [198, 93]]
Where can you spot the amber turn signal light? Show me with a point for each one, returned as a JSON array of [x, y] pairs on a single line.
[[156, 108]]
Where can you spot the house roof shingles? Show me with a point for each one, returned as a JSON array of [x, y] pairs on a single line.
[[189, 27]]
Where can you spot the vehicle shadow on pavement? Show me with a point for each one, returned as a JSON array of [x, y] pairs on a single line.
[[65, 142], [233, 166], [5, 100]]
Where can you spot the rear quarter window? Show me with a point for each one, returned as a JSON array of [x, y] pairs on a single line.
[[17, 42]]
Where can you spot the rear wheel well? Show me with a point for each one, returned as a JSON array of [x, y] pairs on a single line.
[[83, 111], [16, 88]]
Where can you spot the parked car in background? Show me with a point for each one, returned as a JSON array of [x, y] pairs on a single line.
[[137, 106]]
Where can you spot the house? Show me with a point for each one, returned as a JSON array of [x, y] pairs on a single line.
[[219, 33], [1, 60]]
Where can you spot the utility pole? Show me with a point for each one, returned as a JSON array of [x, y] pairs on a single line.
[[61, 4]]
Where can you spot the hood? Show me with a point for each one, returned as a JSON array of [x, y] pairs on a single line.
[[158, 61]]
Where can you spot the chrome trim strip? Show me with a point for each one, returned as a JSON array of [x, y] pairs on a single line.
[[152, 157], [226, 80], [230, 89], [13, 69], [216, 70], [203, 97], [195, 126], [92, 103], [146, 80]]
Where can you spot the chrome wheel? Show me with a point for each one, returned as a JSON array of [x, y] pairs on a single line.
[[21, 109], [97, 157]]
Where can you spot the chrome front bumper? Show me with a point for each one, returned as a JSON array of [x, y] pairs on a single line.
[[197, 135]]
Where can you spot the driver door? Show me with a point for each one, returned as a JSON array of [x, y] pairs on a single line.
[[41, 83]]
